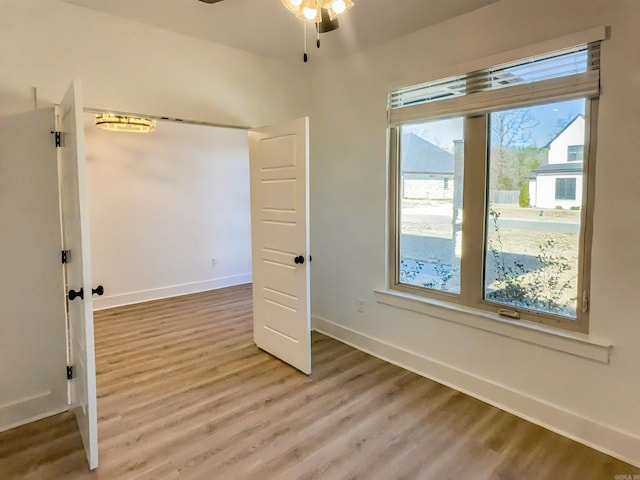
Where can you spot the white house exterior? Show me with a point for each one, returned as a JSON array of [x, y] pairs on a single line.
[[558, 184], [427, 170]]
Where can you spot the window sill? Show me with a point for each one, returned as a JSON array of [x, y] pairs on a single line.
[[564, 341]]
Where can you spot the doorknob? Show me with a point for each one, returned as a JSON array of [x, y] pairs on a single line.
[[98, 291], [299, 260], [73, 294]]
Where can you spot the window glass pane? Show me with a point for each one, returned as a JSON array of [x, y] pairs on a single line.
[[431, 169], [533, 212], [565, 188], [556, 66], [575, 153]]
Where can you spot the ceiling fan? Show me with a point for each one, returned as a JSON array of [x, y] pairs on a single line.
[[323, 13]]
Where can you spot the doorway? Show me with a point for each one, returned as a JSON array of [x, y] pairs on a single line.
[[169, 210], [120, 209]]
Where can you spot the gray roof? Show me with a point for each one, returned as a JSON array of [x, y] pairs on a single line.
[[556, 168], [421, 156]]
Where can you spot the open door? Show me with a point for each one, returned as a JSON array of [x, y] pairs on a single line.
[[279, 157], [75, 233], [33, 335]]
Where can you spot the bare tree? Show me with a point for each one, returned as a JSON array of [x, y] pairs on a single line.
[[510, 130]]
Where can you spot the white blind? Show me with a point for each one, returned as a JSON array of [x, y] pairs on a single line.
[[558, 75]]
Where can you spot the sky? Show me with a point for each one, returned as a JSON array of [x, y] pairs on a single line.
[[444, 132]]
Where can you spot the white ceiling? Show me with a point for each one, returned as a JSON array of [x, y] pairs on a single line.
[[265, 27]]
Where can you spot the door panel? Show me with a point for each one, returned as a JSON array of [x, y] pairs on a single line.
[[75, 227], [33, 338], [278, 152], [279, 195], [280, 233]]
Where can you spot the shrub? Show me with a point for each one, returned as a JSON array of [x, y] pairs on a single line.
[[524, 195], [543, 288]]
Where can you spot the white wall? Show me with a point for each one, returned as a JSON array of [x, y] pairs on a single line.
[[421, 186], [47, 43], [589, 400], [127, 66], [572, 135], [545, 194], [163, 205]]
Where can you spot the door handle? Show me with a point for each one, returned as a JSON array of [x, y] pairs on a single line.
[[98, 291], [299, 260], [73, 294]]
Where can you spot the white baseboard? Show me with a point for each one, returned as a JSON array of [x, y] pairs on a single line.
[[612, 441], [26, 410], [110, 301]]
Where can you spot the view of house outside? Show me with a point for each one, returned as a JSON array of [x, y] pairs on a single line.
[[532, 216], [431, 164]]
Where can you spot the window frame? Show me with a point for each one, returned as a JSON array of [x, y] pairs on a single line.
[[580, 159], [475, 195], [566, 181]]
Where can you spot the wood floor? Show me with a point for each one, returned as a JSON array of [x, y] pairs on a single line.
[[184, 393]]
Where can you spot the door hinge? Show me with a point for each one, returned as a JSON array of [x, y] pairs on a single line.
[[58, 137], [66, 256], [69, 372]]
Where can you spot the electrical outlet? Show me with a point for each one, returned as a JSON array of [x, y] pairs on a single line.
[[361, 305], [214, 262]]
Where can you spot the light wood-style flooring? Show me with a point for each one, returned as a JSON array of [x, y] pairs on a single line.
[[184, 393]]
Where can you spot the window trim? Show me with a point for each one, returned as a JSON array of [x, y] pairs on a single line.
[[584, 88], [474, 93], [575, 343], [594, 34]]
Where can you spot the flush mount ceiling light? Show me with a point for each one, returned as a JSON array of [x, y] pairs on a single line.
[[323, 13], [124, 123]]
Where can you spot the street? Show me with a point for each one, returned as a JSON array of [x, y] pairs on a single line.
[[425, 216]]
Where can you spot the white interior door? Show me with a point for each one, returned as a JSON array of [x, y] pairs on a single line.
[[75, 228], [279, 157], [33, 337]]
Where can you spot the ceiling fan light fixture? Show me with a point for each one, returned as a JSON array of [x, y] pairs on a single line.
[[338, 7], [324, 13], [310, 10], [310, 13], [293, 5], [124, 123]]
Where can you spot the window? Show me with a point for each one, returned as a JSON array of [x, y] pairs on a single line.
[[565, 188], [575, 153], [491, 221], [431, 213], [531, 246]]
